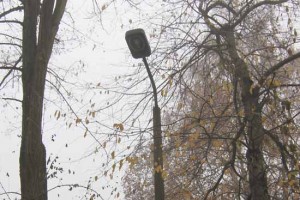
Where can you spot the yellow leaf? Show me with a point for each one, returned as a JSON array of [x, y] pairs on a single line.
[[132, 160], [92, 197], [241, 113], [119, 126], [158, 169], [276, 83], [170, 81], [186, 194], [167, 134], [251, 89], [193, 157], [177, 142], [164, 92], [273, 83], [120, 164], [217, 143], [113, 155], [263, 119], [113, 167], [78, 120], [292, 182], [179, 106], [227, 171], [164, 174], [58, 115]]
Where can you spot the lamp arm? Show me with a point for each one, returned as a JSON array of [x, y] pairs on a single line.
[[152, 81]]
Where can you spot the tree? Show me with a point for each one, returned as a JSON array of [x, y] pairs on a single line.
[[244, 45], [36, 51], [39, 27]]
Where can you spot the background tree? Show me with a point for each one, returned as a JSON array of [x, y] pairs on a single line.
[[250, 49]]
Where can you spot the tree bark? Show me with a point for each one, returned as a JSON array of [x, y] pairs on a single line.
[[36, 52]]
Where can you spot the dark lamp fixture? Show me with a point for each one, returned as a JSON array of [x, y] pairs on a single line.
[[138, 44]]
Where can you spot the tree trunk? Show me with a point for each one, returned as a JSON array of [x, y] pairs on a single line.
[[36, 53], [250, 99]]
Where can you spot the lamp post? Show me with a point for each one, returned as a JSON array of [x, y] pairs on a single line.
[[139, 47]]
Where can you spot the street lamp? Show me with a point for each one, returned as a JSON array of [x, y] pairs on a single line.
[[139, 47]]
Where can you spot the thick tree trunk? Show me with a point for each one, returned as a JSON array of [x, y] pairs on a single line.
[[36, 54], [255, 161], [250, 99]]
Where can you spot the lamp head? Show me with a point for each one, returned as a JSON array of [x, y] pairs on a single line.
[[138, 44]]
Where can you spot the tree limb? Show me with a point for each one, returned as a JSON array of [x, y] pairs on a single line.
[[11, 10], [249, 10], [279, 65]]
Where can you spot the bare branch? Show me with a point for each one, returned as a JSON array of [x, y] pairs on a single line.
[[11, 10], [12, 99], [279, 65], [12, 21], [250, 9], [11, 69]]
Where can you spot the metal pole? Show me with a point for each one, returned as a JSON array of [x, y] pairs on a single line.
[[157, 138]]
